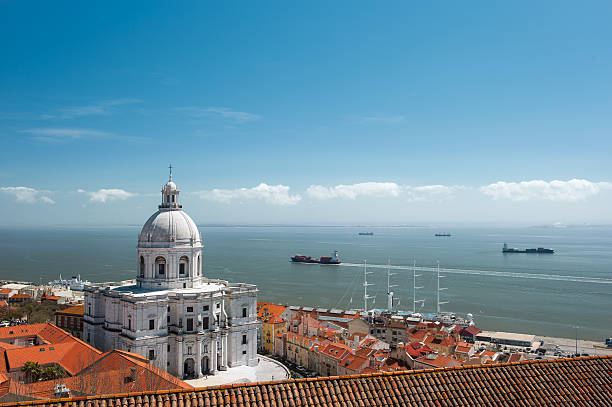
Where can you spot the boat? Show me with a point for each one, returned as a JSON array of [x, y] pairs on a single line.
[[443, 234], [333, 259], [366, 233], [75, 283], [539, 250]]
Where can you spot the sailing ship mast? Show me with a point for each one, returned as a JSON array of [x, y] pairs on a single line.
[[414, 288], [438, 303], [366, 297], [389, 292]]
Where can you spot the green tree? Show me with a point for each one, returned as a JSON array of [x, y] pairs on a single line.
[[33, 371], [53, 372]]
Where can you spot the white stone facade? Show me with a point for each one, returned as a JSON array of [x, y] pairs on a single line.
[[185, 323]]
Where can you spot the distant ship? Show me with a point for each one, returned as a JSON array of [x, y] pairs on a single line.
[[443, 234], [539, 250], [334, 259], [366, 233], [75, 283]]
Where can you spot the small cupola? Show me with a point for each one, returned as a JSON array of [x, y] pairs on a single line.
[[170, 195]]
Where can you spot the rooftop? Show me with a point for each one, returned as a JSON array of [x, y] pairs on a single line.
[[582, 381]]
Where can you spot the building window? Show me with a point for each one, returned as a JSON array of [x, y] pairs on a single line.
[[205, 322], [161, 265], [183, 263], [130, 324], [189, 309], [168, 318], [151, 324], [142, 266], [190, 324], [168, 347], [151, 354], [218, 305], [205, 308], [244, 312], [244, 339], [189, 350], [244, 352]]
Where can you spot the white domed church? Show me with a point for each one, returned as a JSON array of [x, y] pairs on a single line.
[[185, 323]]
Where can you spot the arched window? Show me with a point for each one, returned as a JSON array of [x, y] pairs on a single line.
[[199, 270], [183, 265], [160, 266], [129, 324], [141, 266]]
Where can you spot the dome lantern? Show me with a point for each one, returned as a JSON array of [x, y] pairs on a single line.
[[170, 194]]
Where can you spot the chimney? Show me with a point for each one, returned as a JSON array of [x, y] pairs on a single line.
[[61, 391]]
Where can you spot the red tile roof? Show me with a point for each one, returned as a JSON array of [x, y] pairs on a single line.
[[71, 355], [580, 382], [21, 296], [470, 331], [266, 309], [463, 347], [5, 290], [417, 349], [439, 361], [108, 375], [74, 310]]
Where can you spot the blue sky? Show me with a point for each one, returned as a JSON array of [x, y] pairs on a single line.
[[347, 112]]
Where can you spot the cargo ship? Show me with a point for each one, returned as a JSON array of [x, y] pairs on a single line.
[[539, 250], [366, 233], [443, 234], [334, 259]]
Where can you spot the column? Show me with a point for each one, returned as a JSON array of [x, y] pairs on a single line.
[[213, 356], [198, 363], [179, 357], [224, 351]]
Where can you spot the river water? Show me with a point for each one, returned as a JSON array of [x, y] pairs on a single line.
[[541, 294]]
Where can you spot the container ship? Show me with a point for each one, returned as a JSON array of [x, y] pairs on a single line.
[[443, 234], [539, 250], [334, 259], [366, 233]]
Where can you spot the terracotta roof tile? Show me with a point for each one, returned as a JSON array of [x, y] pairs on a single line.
[[74, 310], [573, 382]]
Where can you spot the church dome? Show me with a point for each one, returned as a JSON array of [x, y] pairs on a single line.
[[169, 229], [169, 226]]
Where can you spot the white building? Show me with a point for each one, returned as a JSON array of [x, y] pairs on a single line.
[[185, 323]]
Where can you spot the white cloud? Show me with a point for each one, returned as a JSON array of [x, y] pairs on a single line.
[[52, 134], [223, 112], [382, 189], [354, 190], [28, 195], [569, 191], [96, 109], [273, 194], [103, 195]]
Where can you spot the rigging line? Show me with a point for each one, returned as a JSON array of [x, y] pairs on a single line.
[[348, 288]]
